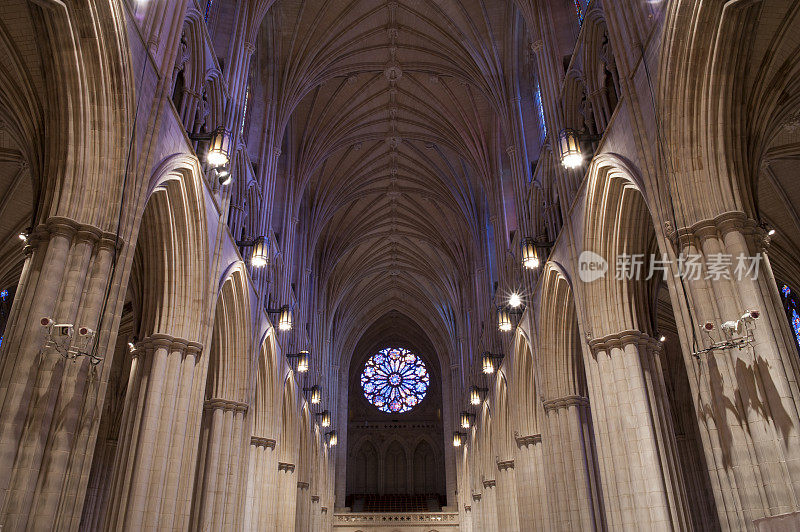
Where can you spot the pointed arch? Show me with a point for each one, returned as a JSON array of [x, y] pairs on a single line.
[[228, 372], [169, 273]]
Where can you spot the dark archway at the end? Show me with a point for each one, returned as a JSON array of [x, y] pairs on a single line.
[[395, 460]]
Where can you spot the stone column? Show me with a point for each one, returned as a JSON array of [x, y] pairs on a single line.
[[637, 452], [466, 525], [531, 482], [508, 517], [747, 400], [316, 514], [303, 512], [263, 469], [51, 399], [287, 496], [219, 491], [477, 512], [489, 506], [157, 444], [571, 483]]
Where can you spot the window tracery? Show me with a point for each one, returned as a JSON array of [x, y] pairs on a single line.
[[395, 380]]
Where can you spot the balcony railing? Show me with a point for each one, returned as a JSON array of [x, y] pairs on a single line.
[[409, 518]]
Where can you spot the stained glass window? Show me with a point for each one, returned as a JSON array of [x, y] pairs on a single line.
[[244, 112], [792, 307], [395, 380], [537, 99], [580, 7], [208, 10]]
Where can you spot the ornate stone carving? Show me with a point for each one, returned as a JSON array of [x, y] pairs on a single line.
[[505, 465], [225, 404], [524, 441], [262, 442], [283, 466], [565, 402]]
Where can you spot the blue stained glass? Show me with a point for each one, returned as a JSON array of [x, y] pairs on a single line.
[[792, 308], [579, 7], [208, 10], [4, 295], [395, 380], [537, 97]]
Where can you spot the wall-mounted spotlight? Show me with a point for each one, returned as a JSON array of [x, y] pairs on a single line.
[[466, 420], [529, 258], [284, 317], [333, 439], [475, 394], [325, 418], [316, 394], [24, 235], [570, 146], [533, 251], [219, 147], [224, 175], [503, 319], [260, 256], [301, 358], [458, 439], [488, 361], [504, 314]]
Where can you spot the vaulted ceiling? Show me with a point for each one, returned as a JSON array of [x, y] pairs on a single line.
[[395, 116]]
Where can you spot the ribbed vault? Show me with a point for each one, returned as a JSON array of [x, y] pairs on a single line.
[[393, 117]]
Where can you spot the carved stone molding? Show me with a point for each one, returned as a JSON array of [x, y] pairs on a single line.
[[283, 466], [718, 227], [324, 510], [262, 442], [225, 404], [467, 508], [315, 498], [621, 339], [168, 342], [524, 441], [565, 402], [68, 228], [476, 496], [505, 465], [489, 483], [303, 485]]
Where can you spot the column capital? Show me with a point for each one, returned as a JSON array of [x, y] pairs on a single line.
[[225, 404], [621, 339], [315, 498], [157, 340], [283, 466], [524, 441], [467, 508], [503, 465], [718, 226], [565, 402], [476, 496], [489, 483], [303, 485], [262, 442]]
